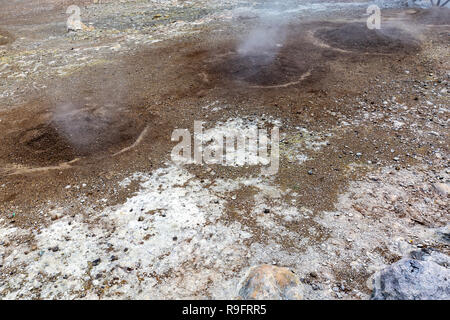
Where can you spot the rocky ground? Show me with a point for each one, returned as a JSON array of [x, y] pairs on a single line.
[[92, 206]]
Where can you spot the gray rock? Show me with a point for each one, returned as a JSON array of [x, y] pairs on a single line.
[[443, 234], [429, 254], [425, 276]]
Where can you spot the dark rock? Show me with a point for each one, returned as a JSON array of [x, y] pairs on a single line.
[[315, 287], [96, 262]]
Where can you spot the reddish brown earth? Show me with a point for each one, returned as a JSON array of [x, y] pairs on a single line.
[[166, 86]]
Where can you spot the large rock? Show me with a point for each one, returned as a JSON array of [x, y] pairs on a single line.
[[424, 276], [268, 282]]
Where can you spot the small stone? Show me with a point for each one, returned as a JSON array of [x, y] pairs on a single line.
[[442, 188], [244, 14], [315, 287], [266, 210], [55, 215]]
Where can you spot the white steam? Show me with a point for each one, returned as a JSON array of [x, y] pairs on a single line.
[[90, 110], [265, 39], [269, 34]]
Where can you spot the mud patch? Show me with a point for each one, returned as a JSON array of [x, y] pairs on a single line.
[[357, 37], [69, 133], [262, 70], [296, 60], [89, 130]]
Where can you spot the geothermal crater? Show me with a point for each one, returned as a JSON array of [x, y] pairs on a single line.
[[264, 70], [68, 133], [357, 37]]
